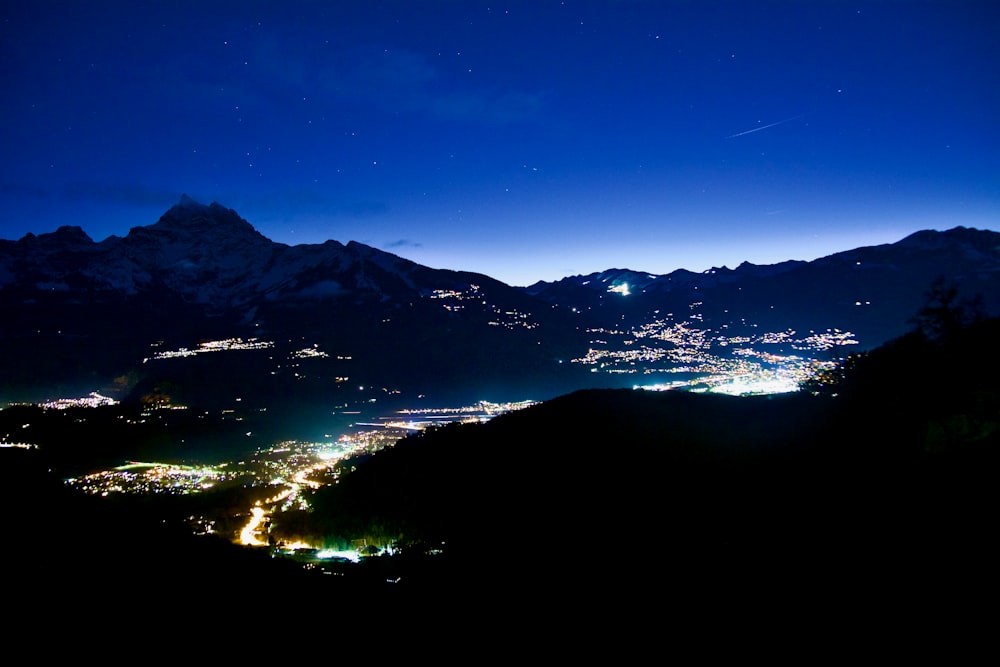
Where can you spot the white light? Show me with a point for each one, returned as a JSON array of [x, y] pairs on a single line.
[[350, 555]]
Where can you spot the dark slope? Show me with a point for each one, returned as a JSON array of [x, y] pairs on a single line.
[[620, 490], [84, 571]]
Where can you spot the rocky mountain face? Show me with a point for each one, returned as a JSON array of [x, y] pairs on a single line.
[[80, 313], [203, 254], [200, 306]]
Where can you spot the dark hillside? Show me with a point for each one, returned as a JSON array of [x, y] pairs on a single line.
[[807, 494], [86, 570]]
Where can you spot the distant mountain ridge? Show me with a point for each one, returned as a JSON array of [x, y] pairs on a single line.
[[207, 254], [871, 290], [78, 313]]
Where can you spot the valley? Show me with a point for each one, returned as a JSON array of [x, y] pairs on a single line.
[[275, 480]]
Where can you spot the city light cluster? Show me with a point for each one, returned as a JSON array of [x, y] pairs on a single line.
[[17, 445], [723, 361], [508, 319], [150, 478], [483, 408], [309, 353], [229, 344], [92, 400]]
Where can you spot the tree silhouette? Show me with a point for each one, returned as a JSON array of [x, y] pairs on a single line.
[[937, 323], [943, 314]]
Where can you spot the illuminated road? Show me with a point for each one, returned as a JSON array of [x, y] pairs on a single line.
[[294, 481], [248, 535]]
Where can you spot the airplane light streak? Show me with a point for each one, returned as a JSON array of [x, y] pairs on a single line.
[[764, 127]]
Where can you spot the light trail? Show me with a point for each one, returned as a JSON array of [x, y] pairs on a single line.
[[764, 127]]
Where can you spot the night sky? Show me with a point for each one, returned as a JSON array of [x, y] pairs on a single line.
[[525, 140]]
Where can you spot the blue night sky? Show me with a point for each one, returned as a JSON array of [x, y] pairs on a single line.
[[525, 140]]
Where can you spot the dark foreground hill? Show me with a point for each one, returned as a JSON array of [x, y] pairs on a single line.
[[879, 484]]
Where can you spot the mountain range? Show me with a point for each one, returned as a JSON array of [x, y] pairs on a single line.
[[314, 323], [870, 494]]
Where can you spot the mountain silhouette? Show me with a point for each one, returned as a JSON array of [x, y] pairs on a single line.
[[81, 315]]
